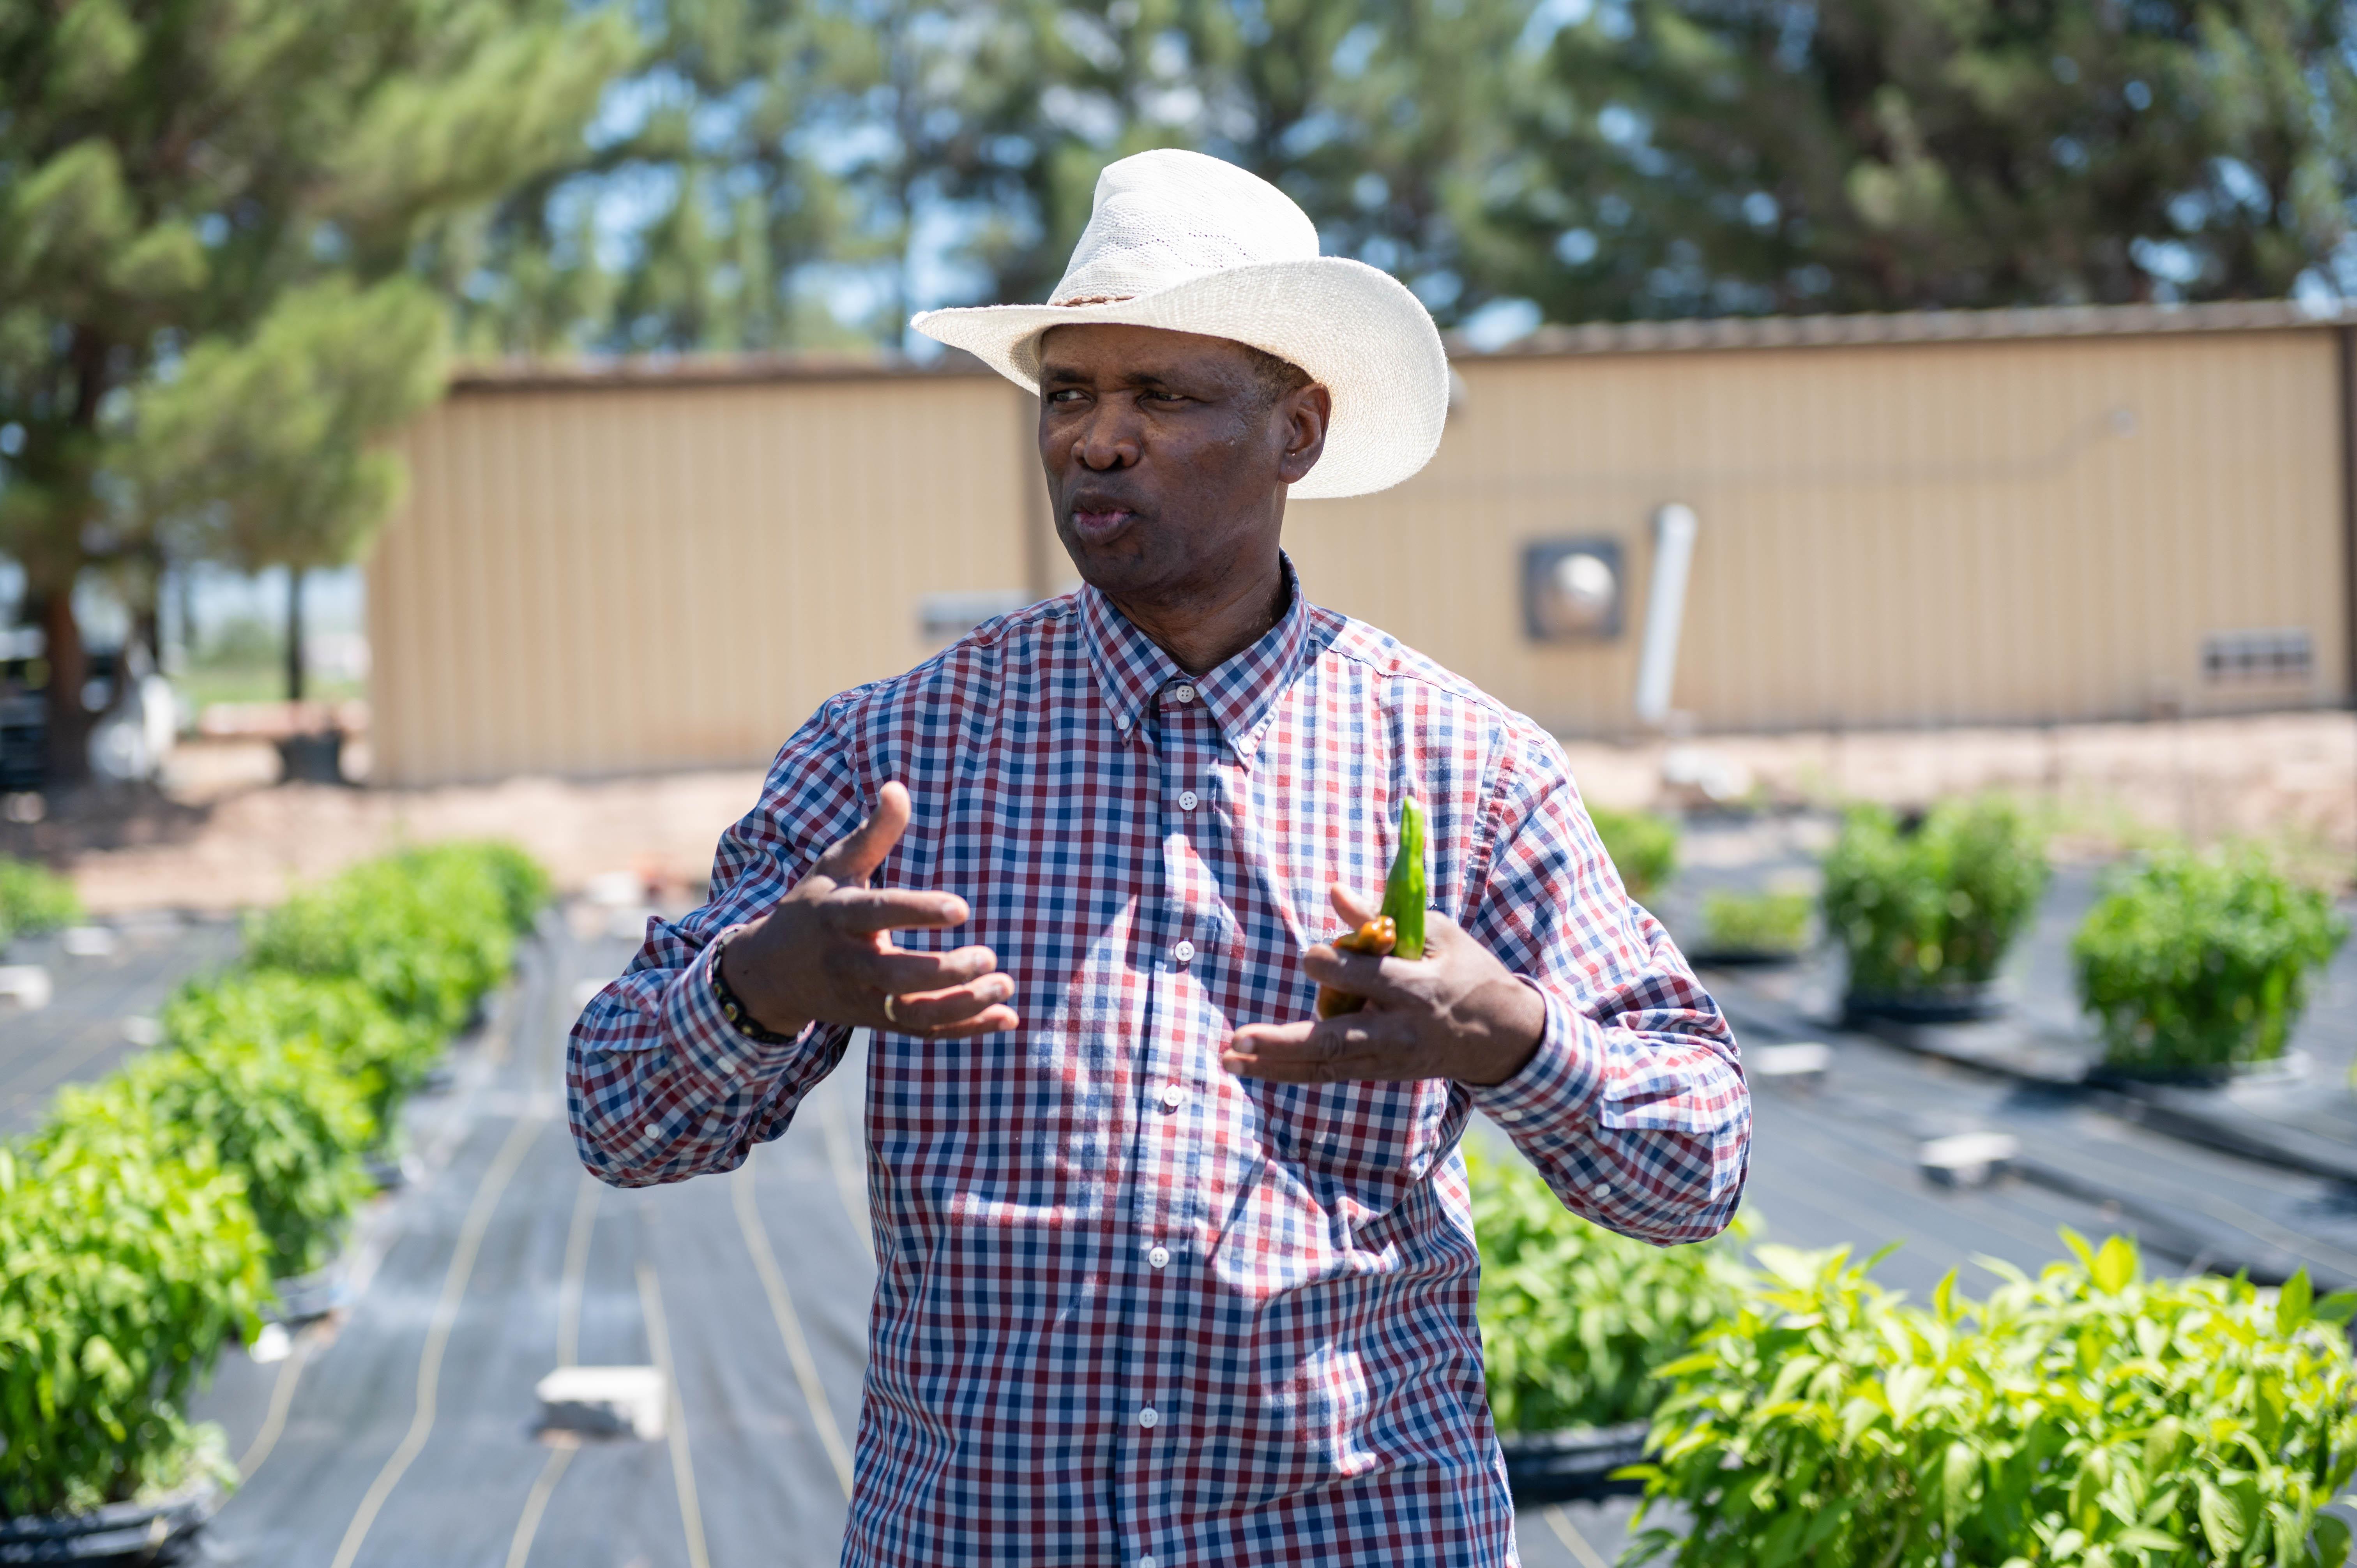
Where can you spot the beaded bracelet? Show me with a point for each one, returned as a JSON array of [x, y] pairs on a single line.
[[740, 1016]]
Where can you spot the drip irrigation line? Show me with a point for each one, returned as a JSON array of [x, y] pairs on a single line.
[[790, 1327], [682, 1466], [437, 1336]]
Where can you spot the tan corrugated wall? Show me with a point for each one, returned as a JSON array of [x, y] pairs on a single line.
[[602, 580], [1935, 533]]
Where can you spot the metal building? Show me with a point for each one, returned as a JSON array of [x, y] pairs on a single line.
[[1966, 517]]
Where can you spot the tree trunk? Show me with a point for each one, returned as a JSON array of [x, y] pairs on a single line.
[[294, 634], [68, 759]]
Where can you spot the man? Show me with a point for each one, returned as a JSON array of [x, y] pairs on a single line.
[[1168, 1274]]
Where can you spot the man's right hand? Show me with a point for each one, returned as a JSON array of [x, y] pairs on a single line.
[[821, 952]]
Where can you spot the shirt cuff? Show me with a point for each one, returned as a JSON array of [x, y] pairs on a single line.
[[704, 1039], [1560, 1082]]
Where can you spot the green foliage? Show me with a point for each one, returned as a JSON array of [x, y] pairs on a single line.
[[2199, 961], [523, 883], [1643, 847], [427, 932], [2088, 1416], [139, 1229], [1756, 922], [800, 146], [1732, 157], [386, 1058], [34, 899], [125, 1271], [1575, 1318], [1927, 910], [207, 211], [280, 1115]]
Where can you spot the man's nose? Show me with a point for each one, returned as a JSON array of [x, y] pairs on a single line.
[[1107, 441]]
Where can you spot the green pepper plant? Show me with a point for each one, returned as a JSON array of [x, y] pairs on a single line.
[[2088, 1416], [1929, 910], [1644, 847], [2198, 962], [34, 899], [1575, 1319], [1768, 923], [428, 932], [386, 1057], [281, 1115], [125, 1269]]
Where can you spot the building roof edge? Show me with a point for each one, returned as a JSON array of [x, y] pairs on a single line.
[[1912, 327]]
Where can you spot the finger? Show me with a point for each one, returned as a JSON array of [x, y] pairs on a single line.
[[897, 972], [991, 1021], [1359, 1047], [855, 858], [1378, 980], [1355, 911], [867, 910], [929, 1010]]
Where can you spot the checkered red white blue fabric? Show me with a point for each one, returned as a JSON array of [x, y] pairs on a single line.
[[1132, 1310]]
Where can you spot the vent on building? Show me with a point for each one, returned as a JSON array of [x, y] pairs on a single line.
[[2259, 657], [1571, 589]]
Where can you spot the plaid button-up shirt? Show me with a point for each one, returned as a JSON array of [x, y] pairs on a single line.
[[1132, 1310]]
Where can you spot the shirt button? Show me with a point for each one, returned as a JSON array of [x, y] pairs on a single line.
[[1184, 952], [1602, 1189], [1189, 800], [1182, 694], [1121, 721], [1146, 1417], [1173, 1096], [1159, 1257], [1147, 1561]]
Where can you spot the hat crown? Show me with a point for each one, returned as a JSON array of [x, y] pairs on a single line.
[[1164, 217]]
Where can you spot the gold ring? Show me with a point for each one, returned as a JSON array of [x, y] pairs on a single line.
[[890, 1017]]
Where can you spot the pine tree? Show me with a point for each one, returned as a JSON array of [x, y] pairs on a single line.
[[206, 207], [1707, 156]]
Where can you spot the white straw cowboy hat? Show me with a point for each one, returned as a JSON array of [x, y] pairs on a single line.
[[1191, 244]]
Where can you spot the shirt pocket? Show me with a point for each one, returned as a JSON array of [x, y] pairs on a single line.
[[1359, 1148]]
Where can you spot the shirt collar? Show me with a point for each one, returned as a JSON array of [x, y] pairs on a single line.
[[1132, 669]]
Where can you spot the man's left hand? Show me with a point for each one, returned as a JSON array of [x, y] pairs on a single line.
[[1455, 1013]]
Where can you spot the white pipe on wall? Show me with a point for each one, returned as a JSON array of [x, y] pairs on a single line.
[[1665, 611]]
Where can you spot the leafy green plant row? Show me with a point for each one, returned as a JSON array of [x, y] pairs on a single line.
[[143, 1224], [2088, 1416], [34, 899], [1575, 1319]]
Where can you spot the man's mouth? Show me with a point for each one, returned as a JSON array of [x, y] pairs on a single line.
[[1098, 517]]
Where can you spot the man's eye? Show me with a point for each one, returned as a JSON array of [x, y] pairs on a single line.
[[1064, 394], [1167, 398]]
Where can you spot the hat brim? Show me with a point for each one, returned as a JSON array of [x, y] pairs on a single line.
[[1356, 331]]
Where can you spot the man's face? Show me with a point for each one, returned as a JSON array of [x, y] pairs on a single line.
[[1167, 455]]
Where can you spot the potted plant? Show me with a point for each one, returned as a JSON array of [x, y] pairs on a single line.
[[1643, 847], [1925, 910], [2193, 966], [34, 899], [2087, 1416], [126, 1271], [1575, 1322], [1754, 928]]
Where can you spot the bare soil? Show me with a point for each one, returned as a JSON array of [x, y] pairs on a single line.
[[222, 834]]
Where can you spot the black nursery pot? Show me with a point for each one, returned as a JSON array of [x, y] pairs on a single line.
[[1940, 1004], [123, 1533], [1572, 1466]]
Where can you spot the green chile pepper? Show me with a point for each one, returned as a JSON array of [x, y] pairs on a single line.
[[1398, 931]]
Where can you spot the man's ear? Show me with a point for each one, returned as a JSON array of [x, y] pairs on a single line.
[[1302, 416]]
